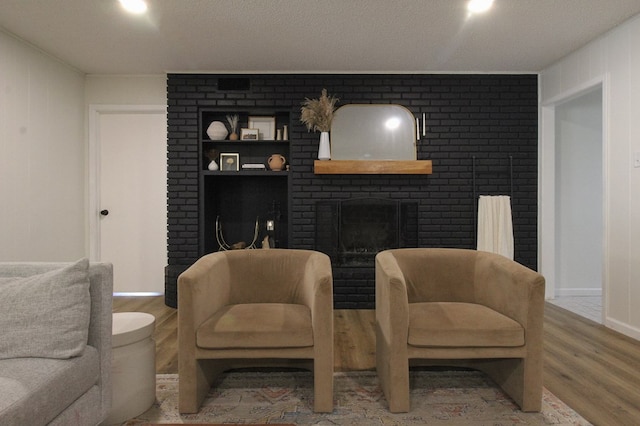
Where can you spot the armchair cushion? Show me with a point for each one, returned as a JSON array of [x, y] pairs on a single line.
[[451, 324], [257, 325]]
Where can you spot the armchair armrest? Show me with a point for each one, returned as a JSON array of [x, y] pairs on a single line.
[[316, 292], [392, 303], [202, 290], [510, 288]]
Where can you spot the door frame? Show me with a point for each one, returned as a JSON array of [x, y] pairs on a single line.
[[95, 112], [547, 184]]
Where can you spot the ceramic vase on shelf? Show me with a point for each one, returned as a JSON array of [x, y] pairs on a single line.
[[276, 162], [217, 131], [324, 151]]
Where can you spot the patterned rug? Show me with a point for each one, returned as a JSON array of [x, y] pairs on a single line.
[[437, 398]]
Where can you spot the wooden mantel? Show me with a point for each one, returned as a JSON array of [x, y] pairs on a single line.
[[372, 167]]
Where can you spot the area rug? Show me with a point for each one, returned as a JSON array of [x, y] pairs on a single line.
[[437, 398]]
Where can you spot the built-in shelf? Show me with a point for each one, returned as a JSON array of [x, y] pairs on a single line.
[[372, 167]]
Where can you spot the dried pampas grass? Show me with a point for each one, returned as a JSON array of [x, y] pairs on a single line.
[[233, 122], [317, 114]]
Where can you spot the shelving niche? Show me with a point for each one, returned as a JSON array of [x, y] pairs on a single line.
[[238, 198]]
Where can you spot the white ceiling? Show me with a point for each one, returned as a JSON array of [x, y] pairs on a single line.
[[420, 36]]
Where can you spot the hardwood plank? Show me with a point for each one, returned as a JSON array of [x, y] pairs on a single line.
[[354, 339], [591, 368]]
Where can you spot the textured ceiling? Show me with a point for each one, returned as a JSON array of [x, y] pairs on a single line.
[[420, 36]]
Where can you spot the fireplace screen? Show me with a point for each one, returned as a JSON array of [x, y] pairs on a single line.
[[353, 231]]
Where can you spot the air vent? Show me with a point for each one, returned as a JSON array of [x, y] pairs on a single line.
[[234, 84]]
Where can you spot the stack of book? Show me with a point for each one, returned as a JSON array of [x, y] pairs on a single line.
[[253, 166]]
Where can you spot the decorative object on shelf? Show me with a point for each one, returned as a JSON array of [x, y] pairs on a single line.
[[278, 135], [285, 132], [223, 245], [249, 134], [317, 115], [266, 127], [229, 162], [324, 149], [212, 155], [253, 166], [217, 131], [276, 162], [373, 132], [233, 125]]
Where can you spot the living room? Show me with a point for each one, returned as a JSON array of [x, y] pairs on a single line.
[[46, 166]]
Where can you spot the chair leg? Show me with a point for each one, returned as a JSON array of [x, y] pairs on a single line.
[[195, 381], [393, 373], [323, 385], [398, 389], [520, 378]]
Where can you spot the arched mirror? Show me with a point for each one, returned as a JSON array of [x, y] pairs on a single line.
[[373, 132]]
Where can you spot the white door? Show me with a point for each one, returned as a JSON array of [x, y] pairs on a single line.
[[131, 207]]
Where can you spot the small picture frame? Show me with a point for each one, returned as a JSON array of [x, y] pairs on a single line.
[[265, 125], [249, 134], [229, 162]]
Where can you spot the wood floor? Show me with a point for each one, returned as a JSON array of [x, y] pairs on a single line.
[[593, 369]]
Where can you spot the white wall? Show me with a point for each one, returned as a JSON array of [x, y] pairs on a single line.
[[42, 156], [126, 90], [43, 149], [578, 196], [613, 60]]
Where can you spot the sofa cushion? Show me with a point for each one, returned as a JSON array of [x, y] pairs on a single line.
[[35, 390], [449, 324], [45, 315], [262, 325]]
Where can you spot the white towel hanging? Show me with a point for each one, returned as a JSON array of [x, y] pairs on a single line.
[[495, 226]]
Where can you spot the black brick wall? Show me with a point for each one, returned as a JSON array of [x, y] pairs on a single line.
[[490, 117]]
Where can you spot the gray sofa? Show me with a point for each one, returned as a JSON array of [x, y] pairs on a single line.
[[66, 388]]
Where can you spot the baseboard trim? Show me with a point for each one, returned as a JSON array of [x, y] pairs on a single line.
[[623, 328], [576, 292]]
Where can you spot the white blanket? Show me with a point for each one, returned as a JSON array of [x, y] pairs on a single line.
[[495, 227]]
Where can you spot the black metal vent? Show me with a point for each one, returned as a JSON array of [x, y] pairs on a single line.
[[234, 84]]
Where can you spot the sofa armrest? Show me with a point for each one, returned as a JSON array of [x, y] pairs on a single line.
[[100, 325]]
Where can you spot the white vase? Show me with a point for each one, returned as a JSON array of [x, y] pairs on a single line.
[[324, 151], [217, 131]]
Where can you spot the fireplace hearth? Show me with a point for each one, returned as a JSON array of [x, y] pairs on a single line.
[[353, 231]]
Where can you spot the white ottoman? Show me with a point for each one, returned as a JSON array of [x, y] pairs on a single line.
[[133, 369]]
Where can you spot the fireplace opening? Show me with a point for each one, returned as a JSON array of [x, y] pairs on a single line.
[[353, 231]]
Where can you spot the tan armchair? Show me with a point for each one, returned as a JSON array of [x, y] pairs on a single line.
[[460, 308], [244, 308]]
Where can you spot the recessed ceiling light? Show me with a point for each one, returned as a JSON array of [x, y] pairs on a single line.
[[479, 6], [134, 6]]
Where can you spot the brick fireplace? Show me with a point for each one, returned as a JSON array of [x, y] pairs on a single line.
[[477, 126]]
